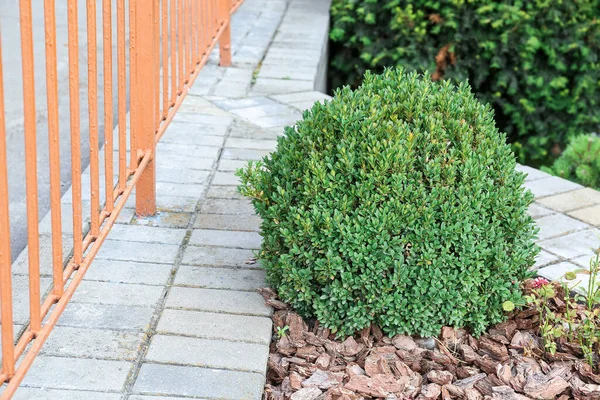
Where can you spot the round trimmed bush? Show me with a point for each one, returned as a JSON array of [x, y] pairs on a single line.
[[397, 204]]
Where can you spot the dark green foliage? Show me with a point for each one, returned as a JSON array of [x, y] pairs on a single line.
[[396, 204], [536, 62], [580, 162]]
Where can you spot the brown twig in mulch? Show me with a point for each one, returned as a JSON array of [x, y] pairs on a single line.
[[306, 362]]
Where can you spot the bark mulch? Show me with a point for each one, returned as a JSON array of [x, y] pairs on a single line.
[[306, 362]]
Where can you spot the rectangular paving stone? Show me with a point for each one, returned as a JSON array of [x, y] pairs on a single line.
[[557, 271], [182, 175], [183, 128], [249, 223], [176, 203], [231, 165], [259, 144], [169, 189], [298, 73], [263, 110], [232, 89], [20, 291], [224, 192], [205, 89], [125, 216], [199, 382], [532, 173], [197, 139], [234, 239], [21, 264], [550, 186], [217, 256], [127, 294], [243, 154], [128, 272], [141, 397], [77, 373], [536, 211], [203, 108], [232, 104], [573, 245], [220, 278], [184, 199], [572, 200], [544, 258], [277, 120], [250, 131], [198, 118], [267, 86], [138, 251], [310, 95], [591, 215], [225, 206], [208, 353], [216, 326], [190, 162], [283, 52], [45, 226], [103, 316], [558, 225], [287, 61], [226, 179], [187, 150], [213, 300], [164, 219], [583, 261], [93, 343], [302, 105], [27, 393], [238, 74], [147, 234]]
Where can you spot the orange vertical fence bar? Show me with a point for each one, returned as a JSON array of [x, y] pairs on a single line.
[[122, 94], [173, 52], [225, 40], [165, 58], [143, 98], [73, 43], [6, 309], [180, 52], [190, 38], [201, 30], [93, 116], [195, 31], [156, 52], [53, 138], [108, 103], [30, 164]]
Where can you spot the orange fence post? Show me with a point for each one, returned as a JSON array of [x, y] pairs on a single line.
[[6, 290], [225, 40], [143, 78]]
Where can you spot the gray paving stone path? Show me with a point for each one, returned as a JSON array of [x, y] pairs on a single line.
[[169, 308]]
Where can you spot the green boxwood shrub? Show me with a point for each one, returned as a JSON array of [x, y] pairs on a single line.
[[396, 204], [580, 162], [536, 62]]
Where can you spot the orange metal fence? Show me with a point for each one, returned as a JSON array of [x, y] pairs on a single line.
[[169, 43]]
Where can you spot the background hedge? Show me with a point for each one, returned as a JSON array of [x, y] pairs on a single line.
[[536, 62], [580, 162]]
